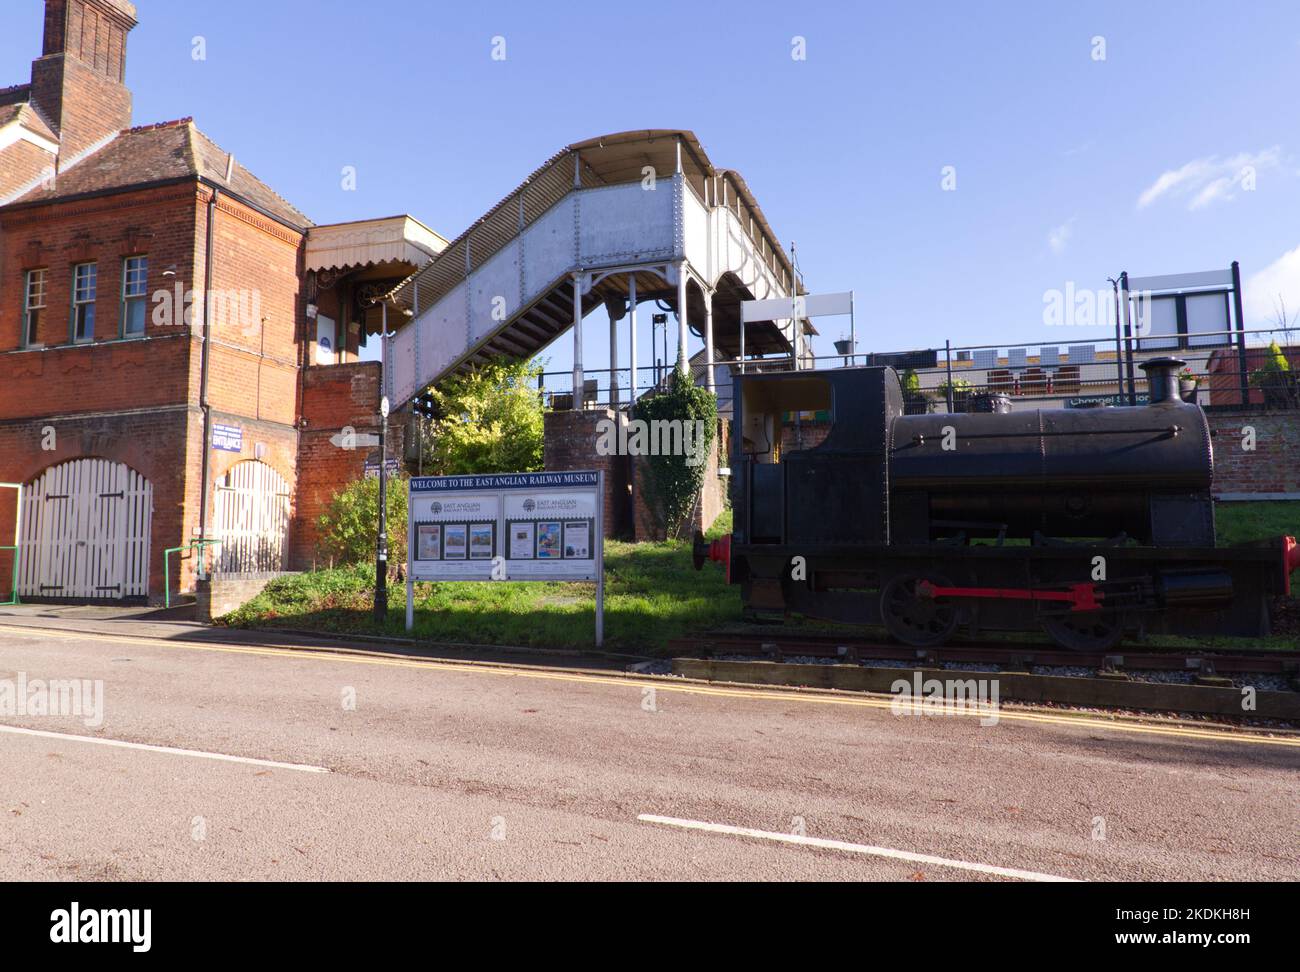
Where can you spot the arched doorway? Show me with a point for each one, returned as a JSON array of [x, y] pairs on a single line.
[[86, 532], [251, 520]]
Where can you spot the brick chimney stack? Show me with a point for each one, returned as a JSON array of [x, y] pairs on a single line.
[[79, 82]]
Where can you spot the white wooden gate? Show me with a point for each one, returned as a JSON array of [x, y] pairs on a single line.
[[252, 520], [86, 532]]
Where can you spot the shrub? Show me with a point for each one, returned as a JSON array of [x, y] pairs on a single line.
[[350, 524], [489, 421], [673, 483], [1275, 378]]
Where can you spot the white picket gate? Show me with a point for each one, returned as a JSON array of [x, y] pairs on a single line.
[[252, 520], [86, 532]]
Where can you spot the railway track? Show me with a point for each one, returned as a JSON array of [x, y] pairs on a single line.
[[1014, 657]]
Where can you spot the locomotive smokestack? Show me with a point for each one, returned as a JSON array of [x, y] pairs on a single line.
[[1162, 379]]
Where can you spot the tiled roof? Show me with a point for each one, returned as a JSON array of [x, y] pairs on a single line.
[[156, 153], [211, 161], [15, 103], [14, 95], [30, 119]]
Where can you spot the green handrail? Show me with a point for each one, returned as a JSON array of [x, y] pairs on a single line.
[[198, 545], [18, 539], [13, 597]]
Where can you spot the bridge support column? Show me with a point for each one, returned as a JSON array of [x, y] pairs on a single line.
[[683, 360], [577, 342], [708, 344], [631, 311], [613, 363]]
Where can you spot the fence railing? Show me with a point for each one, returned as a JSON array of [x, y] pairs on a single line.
[[1228, 369], [187, 552], [14, 550], [13, 590]]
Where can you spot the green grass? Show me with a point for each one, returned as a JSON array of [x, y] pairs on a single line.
[[1243, 522], [652, 595]]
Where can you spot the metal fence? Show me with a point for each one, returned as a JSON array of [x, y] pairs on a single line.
[[1255, 369]]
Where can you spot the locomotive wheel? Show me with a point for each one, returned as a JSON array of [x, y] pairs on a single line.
[[921, 622], [1092, 631]]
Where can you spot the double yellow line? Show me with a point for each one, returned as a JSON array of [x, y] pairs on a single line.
[[789, 696]]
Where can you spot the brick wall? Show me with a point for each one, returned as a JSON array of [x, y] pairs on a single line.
[[152, 442], [84, 106], [78, 80], [334, 399], [258, 311], [1272, 468], [569, 445], [158, 223], [221, 594], [806, 435], [130, 385], [21, 165]]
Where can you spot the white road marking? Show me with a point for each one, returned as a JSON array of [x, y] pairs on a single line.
[[841, 845], [66, 737]]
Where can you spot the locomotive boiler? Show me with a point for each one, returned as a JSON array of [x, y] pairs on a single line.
[[1089, 524]]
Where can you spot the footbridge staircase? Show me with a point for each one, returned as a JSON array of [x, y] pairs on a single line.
[[614, 221]]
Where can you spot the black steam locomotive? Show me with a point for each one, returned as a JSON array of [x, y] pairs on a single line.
[[1089, 524]]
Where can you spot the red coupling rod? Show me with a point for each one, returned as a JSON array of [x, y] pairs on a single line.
[[1081, 597]]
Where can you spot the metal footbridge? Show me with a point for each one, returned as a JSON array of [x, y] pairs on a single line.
[[613, 221]]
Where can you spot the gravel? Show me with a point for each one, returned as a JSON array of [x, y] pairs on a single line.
[[1260, 682]]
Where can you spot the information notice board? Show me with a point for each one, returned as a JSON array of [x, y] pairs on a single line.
[[507, 527]]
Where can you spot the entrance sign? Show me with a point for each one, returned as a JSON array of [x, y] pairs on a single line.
[[507, 527], [227, 438]]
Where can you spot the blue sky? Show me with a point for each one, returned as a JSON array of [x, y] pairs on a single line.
[[1059, 156]]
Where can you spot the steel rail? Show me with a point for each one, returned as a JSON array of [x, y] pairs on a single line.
[[1203, 663]]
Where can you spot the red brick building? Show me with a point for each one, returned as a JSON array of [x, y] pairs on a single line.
[[170, 330]]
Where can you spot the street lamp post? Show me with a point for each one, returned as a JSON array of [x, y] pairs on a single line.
[[381, 546]]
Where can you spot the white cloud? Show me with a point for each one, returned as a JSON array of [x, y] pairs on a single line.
[[1261, 293], [1212, 179], [1059, 237]]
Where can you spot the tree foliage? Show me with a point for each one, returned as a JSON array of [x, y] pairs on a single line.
[[488, 421], [349, 526], [674, 484]]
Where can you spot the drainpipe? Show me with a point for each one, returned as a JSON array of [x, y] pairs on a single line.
[[204, 405]]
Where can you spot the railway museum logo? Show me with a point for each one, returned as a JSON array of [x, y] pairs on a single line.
[[946, 696], [660, 437], [78, 697]]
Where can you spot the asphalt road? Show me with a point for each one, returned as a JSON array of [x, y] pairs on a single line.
[[457, 771]]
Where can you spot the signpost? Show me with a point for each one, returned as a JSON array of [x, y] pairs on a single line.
[[1184, 311], [381, 546], [507, 527], [795, 309]]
